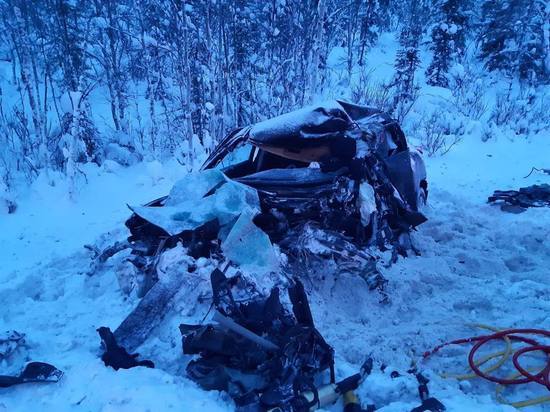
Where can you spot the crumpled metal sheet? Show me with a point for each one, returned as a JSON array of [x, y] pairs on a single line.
[[247, 244], [400, 172], [199, 198], [300, 128], [296, 181], [312, 122]]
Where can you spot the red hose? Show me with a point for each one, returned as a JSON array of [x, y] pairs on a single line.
[[542, 377]]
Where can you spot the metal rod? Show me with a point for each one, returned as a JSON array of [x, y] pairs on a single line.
[[245, 333]]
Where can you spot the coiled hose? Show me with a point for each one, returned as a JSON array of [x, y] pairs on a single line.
[[522, 376]]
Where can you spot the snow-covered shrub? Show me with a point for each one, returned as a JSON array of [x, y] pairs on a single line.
[[123, 155], [7, 204], [78, 125], [369, 92], [469, 94], [523, 112], [89, 135], [121, 149], [489, 131], [402, 107], [437, 133], [471, 101], [79, 143], [19, 154]]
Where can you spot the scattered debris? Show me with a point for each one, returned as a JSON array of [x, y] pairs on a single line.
[[533, 169], [350, 399], [257, 351], [429, 404], [116, 356], [311, 248], [34, 372], [101, 256], [10, 342], [327, 394], [517, 201]]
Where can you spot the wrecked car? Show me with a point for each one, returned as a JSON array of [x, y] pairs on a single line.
[[345, 166], [319, 190], [335, 166]]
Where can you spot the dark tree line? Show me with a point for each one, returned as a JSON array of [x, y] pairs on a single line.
[[177, 73], [515, 38]]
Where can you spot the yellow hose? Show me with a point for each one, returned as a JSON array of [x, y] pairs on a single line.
[[519, 404], [504, 357]]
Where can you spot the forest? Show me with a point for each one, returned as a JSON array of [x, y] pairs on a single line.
[[84, 81]]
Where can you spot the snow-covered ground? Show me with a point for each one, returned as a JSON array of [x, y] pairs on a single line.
[[478, 265]]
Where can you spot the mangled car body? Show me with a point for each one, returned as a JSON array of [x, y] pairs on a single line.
[[308, 193], [340, 167], [347, 166]]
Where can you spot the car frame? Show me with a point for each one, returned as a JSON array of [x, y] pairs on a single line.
[[314, 164]]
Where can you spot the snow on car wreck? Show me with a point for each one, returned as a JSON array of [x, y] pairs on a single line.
[[347, 167], [330, 180], [320, 190]]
